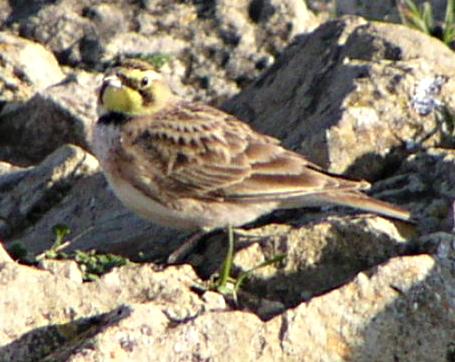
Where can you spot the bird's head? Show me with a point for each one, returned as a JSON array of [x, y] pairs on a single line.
[[134, 88]]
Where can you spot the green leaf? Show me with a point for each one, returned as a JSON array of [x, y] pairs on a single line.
[[427, 17], [449, 23], [94, 265], [411, 15], [60, 231], [449, 18], [158, 60], [246, 274]]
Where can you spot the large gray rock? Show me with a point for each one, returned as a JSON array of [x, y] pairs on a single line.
[[27, 194], [392, 302], [62, 113], [355, 96]]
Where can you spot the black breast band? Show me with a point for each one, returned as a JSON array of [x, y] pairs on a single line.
[[113, 118]]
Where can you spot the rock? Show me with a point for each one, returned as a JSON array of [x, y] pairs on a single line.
[[58, 310], [4, 256], [384, 10], [64, 268], [379, 316], [59, 25], [137, 313], [356, 97], [210, 336], [427, 181], [63, 113], [26, 195], [21, 77], [222, 44], [442, 246], [108, 20]]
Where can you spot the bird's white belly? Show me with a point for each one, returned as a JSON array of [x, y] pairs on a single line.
[[187, 213], [148, 208]]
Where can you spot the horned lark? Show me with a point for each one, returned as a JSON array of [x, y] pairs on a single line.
[[190, 166]]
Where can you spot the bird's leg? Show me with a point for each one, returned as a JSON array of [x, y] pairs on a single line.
[[183, 250], [252, 235], [188, 245]]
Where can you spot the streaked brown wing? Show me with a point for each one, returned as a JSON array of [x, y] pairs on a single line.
[[285, 174], [193, 150]]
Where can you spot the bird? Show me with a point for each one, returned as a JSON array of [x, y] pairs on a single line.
[[190, 166]]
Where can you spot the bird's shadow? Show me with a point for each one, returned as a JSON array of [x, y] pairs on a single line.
[[312, 266]]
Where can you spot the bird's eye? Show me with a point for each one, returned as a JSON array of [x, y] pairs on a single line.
[[145, 82]]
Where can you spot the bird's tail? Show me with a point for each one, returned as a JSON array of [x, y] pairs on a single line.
[[363, 202]]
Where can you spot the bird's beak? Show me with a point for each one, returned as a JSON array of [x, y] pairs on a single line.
[[112, 81], [109, 81]]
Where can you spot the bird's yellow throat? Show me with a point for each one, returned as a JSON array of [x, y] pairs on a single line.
[[136, 102], [122, 100]]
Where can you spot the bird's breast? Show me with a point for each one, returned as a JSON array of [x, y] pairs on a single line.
[[106, 140]]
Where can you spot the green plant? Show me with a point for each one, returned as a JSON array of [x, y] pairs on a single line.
[[422, 18], [230, 286], [55, 251], [158, 60], [93, 265], [19, 252]]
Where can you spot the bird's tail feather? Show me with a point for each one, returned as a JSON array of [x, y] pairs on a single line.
[[366, 203], [352, 199]]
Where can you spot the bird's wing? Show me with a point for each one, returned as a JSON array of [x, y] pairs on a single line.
[[193, 150]]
